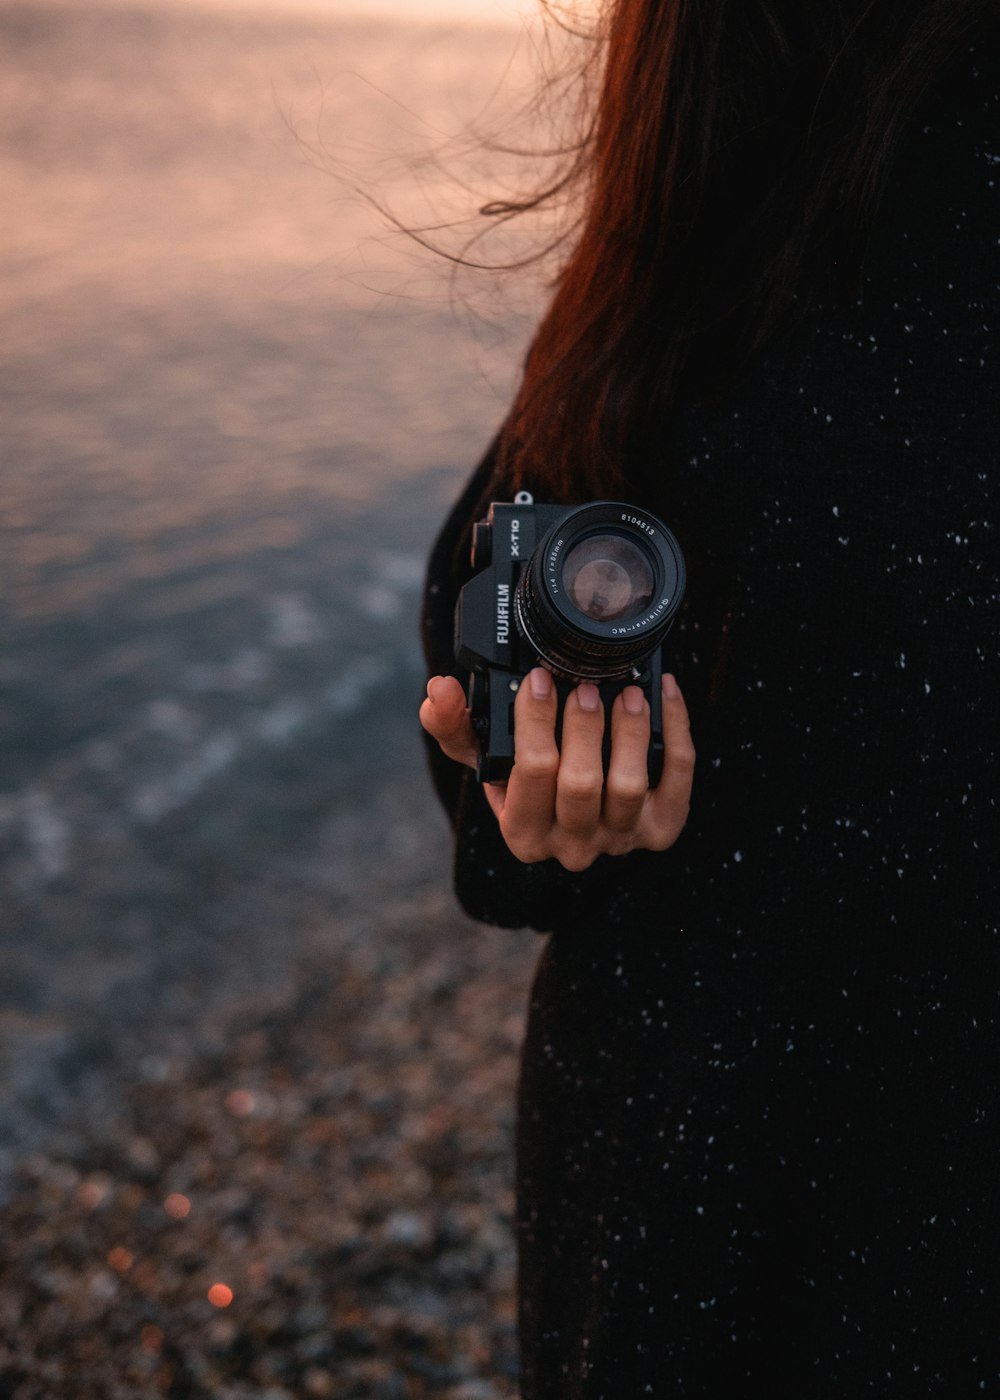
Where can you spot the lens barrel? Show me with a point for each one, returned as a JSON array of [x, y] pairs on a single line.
[[600, 591]]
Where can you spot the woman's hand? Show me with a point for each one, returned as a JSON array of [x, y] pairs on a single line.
[[557, 802]]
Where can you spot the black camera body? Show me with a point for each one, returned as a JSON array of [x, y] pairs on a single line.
[[589, 592]]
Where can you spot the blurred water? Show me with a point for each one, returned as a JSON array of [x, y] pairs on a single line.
[[232, 411]]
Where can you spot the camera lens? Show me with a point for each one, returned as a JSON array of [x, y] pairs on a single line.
[[600, 591], [608, 577]]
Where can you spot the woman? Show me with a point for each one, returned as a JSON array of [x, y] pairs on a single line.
[[758, 1115]]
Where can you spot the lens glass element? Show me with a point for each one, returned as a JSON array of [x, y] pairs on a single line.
[[608, 577]]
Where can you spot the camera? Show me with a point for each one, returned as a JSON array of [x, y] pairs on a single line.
[[589, 592]]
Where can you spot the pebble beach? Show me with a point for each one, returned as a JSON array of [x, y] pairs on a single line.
[[320, 1208]]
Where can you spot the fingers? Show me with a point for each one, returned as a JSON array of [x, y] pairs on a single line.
[[560, 804], [446, 719], [667, 808], [529, 808], [628, 773], [580, 784]]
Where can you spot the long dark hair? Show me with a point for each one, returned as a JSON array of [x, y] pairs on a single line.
[[730, 174]]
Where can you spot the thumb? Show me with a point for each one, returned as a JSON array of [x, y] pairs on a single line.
[[446, 719]]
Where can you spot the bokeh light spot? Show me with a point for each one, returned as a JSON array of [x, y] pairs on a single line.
[[220, 1295], [240, 1103], [120, 1258], [151, 1339], [177, 1206], [91, 1193]]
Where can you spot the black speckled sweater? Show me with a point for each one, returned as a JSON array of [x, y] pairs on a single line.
[[759, 1118]]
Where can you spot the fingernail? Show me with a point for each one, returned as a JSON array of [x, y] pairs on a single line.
[[541, 683], [588, 697], [670, 687], [433, 688], [635, 701]]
